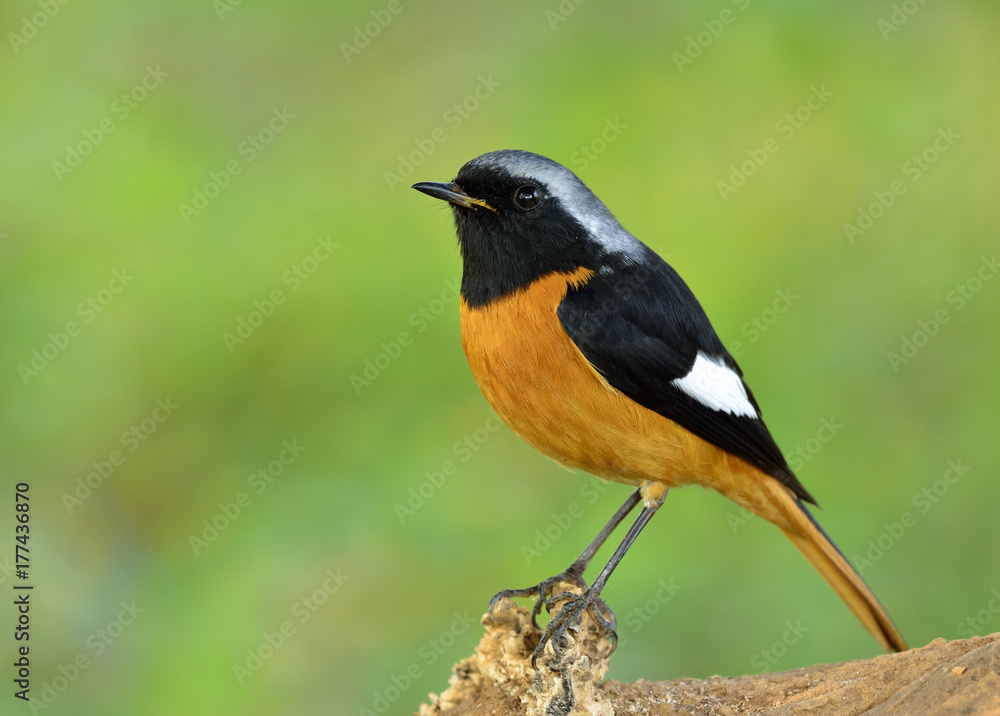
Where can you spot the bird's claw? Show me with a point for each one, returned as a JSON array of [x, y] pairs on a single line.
[[543, 590], [570, 616]]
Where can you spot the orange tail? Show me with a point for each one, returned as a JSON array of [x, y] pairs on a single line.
[[796, 522]]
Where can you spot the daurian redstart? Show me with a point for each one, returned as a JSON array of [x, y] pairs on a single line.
[[594, 350]]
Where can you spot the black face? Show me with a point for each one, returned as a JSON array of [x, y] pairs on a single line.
[[530, 235]]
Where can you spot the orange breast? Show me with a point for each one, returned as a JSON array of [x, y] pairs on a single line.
[[543, 387]]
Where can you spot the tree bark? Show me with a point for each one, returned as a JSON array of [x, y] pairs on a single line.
[[958, 677]]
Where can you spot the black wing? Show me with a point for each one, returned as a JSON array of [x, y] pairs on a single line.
[[642, 328]]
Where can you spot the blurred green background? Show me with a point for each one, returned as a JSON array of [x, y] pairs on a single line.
[[257, 163]]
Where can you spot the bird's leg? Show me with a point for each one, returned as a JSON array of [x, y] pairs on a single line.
[[575, 605], [572, 574]]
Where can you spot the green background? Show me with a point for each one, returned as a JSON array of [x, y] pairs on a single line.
[[559, 79]]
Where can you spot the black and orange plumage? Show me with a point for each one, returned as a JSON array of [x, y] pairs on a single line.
[[592, 348]]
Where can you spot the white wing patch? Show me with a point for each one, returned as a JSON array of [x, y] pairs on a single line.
[[715, 385]]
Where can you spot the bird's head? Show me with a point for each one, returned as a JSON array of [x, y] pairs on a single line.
[[521, 216]]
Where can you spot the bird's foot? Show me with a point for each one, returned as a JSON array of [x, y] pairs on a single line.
[[543, 590], [570, 616]]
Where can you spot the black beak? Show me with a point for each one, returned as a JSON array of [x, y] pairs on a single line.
[[452, 193]]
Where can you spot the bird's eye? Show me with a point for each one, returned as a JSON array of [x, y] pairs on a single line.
[[527, 196]]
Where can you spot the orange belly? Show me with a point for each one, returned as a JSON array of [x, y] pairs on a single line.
[[543, 387]]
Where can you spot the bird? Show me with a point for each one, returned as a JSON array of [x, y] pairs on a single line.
[[594, 350]]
